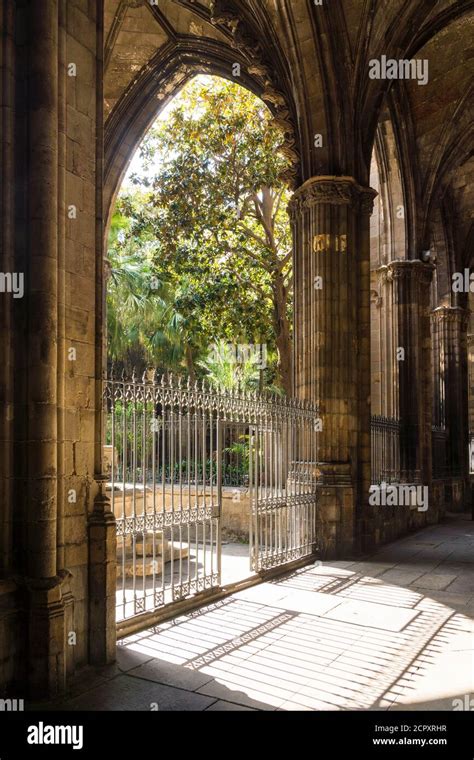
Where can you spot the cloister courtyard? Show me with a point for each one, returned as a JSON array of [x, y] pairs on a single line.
[[236, 363], [394, 631]]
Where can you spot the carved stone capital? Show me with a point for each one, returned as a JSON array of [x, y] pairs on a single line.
[[334, 191], [452, 314], [407, 269]]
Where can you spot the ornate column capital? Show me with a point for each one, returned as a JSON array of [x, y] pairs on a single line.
[[332, 190], [404, 269], [454, 314]]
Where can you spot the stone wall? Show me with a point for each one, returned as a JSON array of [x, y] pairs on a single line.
[[54, 340], [57, 534], [81, 283]]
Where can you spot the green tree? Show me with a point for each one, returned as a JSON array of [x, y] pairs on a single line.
[[209, 209], [142, 325], [222, 371]]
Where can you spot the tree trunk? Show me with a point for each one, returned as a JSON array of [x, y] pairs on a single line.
[[282, 335], [281, 325], [190, 363]]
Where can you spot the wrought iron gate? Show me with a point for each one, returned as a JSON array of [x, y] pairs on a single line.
[[167, 457], [283, 478]]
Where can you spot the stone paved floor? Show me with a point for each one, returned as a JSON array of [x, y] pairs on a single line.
[[393, 632]]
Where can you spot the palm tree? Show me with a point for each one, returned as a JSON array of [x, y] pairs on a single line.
[[148, 320], [225, 373]]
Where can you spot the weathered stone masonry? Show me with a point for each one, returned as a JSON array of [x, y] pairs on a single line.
[[80, 82], [49, 402]]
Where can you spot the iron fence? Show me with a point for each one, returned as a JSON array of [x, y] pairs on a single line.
[[201, 470], [385, 443], [170, 449]]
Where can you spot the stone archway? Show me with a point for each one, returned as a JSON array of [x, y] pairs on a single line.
[[175, 531], [155, 87], [311, 63]]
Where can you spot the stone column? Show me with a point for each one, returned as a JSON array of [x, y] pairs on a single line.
[[101, 524], [450, 327], [44, 580], [7, 304], [470, 348], [387, 402], [406, 288], [330, 217]]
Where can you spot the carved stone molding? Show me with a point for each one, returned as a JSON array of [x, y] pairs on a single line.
[[406, 269], [335, 191], [284, 124], [453, 314], [375, 298], [259, 70], [224, 13], [366, 200], [334, 474], [272, 96], [382, 273]]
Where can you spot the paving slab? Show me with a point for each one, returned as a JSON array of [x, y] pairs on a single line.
[[259, 699], [127, 694], [171, 675], [129, 658], [434, 581], [462, 585], [221, 706], [310, 602], [266, 593], [371, 615], [371, 569], [401, 577], [394, 631]]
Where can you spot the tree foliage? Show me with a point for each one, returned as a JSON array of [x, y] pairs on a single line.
[[206, 214]]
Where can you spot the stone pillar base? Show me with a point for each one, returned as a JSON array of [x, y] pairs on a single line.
[[48, 604], [102, 582], [336, 510]]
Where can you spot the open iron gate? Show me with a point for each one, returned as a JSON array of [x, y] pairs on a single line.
[[283, 489], [167, 459]]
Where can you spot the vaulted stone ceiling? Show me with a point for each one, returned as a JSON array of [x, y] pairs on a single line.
[[310, 64], [135, 31]]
